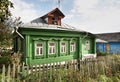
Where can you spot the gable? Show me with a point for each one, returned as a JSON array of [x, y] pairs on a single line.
[[55, 12]]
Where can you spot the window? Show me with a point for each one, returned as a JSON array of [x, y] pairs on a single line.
[[87, 45], [54, 20], [72, 47], [51, 48], [107, 47], [63, 47], [39, 49]]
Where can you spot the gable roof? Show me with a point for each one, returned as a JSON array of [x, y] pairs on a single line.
[[53, 11], [41, 23], [110, 37]]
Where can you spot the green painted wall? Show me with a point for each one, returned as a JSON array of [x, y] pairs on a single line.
[[84, 50], [33, 36]]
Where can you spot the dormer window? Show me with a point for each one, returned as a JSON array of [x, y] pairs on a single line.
[[54, 17], [55, 20]]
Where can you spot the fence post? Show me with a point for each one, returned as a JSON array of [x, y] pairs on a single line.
[[51, 79], [40, 73], [13, 76], [3, 74], [78, 61], [8, 74], [23, 73], [18, 71]]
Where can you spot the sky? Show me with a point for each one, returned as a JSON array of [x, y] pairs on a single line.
[[95, 16]]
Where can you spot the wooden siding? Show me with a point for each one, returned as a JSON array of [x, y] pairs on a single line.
[[114, 47], [33, 36]]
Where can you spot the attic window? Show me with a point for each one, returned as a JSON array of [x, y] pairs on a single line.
[[54, 20]]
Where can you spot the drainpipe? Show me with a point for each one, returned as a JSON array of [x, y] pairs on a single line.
[[85, 35], [18, 32]]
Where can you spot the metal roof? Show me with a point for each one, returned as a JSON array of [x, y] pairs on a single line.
[[39, 23], [110, 37]]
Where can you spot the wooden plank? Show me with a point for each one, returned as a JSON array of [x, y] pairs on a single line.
[[8, 74], [13, 73], [3, 74]]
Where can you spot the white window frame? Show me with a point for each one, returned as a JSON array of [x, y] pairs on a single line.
[[51, 49], [40, 49], [72, 47], [87, 44], [62, 47]]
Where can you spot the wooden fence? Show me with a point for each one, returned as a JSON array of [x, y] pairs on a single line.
[[69, 71]]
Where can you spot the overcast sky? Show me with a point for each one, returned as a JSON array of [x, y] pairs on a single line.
[[95, 16]]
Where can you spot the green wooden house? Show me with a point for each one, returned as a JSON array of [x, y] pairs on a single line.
[[46, 39]]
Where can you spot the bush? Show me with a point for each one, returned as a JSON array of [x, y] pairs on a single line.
[[6, 60], [104, 78], [5, 52], [5, 57], [101, 53], [16, 58], [115, 79]]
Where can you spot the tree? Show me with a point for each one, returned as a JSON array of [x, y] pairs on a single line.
[[5, 31], [5, 35], [4, 10]]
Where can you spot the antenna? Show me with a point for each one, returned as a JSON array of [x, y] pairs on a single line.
[[59, 4]]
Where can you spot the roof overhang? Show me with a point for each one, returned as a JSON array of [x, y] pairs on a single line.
[[101, 41], [16, 32]]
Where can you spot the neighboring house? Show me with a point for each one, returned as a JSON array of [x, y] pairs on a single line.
[[111, 43], [46, 39], [101, 45]]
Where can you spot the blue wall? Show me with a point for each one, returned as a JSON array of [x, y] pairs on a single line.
[[114, 47], [101, 47]]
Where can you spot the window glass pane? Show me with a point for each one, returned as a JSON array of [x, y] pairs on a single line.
[[37, 50], [41, 50], [63, 43], [50, 50], [64, 49], [39, 44], [53, 50], [70, 48], [51, 44], [72, 43]]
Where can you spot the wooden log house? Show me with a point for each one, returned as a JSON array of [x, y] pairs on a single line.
[[46, 39]]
